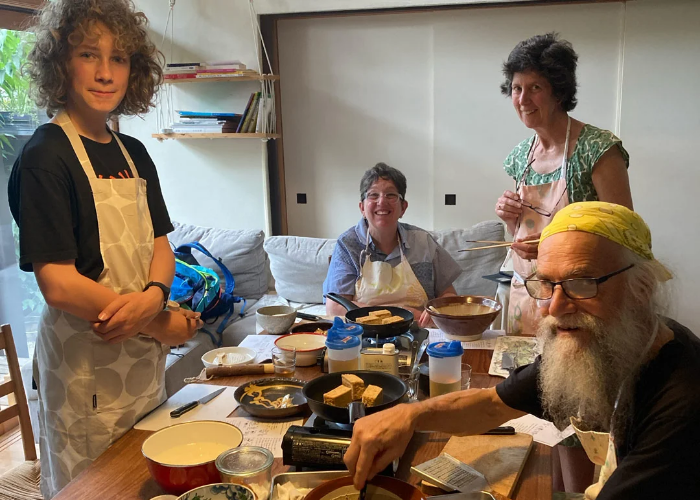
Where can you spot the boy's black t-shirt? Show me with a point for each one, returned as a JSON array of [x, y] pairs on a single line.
[[658, 455], [51, 199]]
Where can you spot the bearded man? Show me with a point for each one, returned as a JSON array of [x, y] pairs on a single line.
[[626, 377]]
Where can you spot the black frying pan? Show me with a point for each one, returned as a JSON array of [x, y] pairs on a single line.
[[381, 331], [394, 390]]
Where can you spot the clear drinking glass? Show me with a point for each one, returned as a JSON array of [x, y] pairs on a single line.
[[284, 361], [466, 376]]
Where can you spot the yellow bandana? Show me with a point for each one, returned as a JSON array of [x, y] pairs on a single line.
[[611, 221]]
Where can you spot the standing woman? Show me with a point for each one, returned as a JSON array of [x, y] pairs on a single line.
[[93, 228], [566, 161]]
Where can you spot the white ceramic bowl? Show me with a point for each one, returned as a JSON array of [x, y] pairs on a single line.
[[233, 356], [307, 345], [276, 319]]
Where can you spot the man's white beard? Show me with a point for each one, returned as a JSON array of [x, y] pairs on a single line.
[[584, 381]]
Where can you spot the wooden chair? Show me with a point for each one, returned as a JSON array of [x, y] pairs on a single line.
[[22, 482]]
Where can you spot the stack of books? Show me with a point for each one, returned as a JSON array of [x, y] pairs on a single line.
[[195, 122], [219, 69]]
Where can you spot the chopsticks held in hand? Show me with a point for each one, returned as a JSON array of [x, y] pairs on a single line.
[[497, 245]]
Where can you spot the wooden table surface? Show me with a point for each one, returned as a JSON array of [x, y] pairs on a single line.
[[121, 472]]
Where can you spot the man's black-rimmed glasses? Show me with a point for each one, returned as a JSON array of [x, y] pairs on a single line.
[[575, 288]]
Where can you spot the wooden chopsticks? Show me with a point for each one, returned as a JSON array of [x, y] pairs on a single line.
[[498, 245]]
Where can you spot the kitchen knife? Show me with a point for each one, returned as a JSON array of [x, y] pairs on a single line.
[[500, 431], [178, 412]]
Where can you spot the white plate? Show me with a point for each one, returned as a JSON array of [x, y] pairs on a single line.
[[231, 355]]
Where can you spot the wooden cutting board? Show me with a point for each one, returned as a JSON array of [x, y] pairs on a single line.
[[499, 458]]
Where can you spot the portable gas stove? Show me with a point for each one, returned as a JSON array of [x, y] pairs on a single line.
[[404, 344]]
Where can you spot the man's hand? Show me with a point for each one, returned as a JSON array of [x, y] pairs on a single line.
[[377, 440], [128, 314]]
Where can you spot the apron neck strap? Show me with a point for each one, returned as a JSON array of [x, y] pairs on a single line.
[[564, 162], [365, 252], [63, 120]]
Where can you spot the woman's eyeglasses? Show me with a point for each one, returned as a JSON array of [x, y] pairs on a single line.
[[576, 288], [390, 197]]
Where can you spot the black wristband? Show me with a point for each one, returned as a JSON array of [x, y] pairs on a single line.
[[163, 288]]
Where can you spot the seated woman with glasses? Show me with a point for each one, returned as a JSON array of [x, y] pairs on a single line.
[[382, 261], [566, 161]]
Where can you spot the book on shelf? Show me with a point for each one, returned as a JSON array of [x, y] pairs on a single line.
[[180, 69], [178, 76], [215, 129], [252, 118], [182, 64], [225, 74], [206, 114], [245, 113]]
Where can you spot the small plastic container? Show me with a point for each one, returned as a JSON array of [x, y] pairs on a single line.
[[343, 347], [445, 367], [250, 466]]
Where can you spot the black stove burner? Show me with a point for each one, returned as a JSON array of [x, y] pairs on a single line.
[[397, 341], [319, 422]]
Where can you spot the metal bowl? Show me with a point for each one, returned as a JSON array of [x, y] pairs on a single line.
[[463, 317]]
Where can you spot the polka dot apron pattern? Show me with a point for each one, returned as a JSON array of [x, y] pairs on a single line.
[[92, 392]]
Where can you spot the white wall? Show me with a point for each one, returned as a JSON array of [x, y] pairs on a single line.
[[661, 128], [349, 109], [219, 182], [420, 91]]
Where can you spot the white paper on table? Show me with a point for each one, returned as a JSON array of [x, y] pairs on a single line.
[[264, 433], [487, 341], [541, 431], [218, 408], [261, 344]]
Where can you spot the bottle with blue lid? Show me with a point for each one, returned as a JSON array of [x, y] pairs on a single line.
[[445, 367], [344, 343]]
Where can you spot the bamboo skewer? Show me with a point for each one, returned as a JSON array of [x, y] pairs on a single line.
[[493, 242], [500, 245]]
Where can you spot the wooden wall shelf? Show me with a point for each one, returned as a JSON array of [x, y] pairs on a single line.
[[215, 136], [250, 78]]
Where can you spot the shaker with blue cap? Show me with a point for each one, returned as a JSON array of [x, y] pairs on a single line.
[[445, 367], [343, 343]]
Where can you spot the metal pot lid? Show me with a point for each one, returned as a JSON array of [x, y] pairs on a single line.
[[244, 461]]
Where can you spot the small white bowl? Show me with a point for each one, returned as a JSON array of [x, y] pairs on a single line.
[[235, 356], [307, 345], [276, 319]]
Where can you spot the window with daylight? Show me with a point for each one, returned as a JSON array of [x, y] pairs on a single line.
[[20, 299]]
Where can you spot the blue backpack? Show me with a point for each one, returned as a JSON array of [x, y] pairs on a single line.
[[198, 288]]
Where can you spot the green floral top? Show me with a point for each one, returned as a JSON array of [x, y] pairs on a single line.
[[592, 143]]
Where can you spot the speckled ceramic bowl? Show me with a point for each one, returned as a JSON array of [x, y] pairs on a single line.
[[276, 319], [219, 491]]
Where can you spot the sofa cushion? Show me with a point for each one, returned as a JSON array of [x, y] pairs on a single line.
[[239, 250], [299, 266], [474, 264]]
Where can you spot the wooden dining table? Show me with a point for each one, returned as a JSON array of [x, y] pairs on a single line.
[[121, 471]]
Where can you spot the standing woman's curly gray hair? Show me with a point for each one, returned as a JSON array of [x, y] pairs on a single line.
[[63, 24]]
